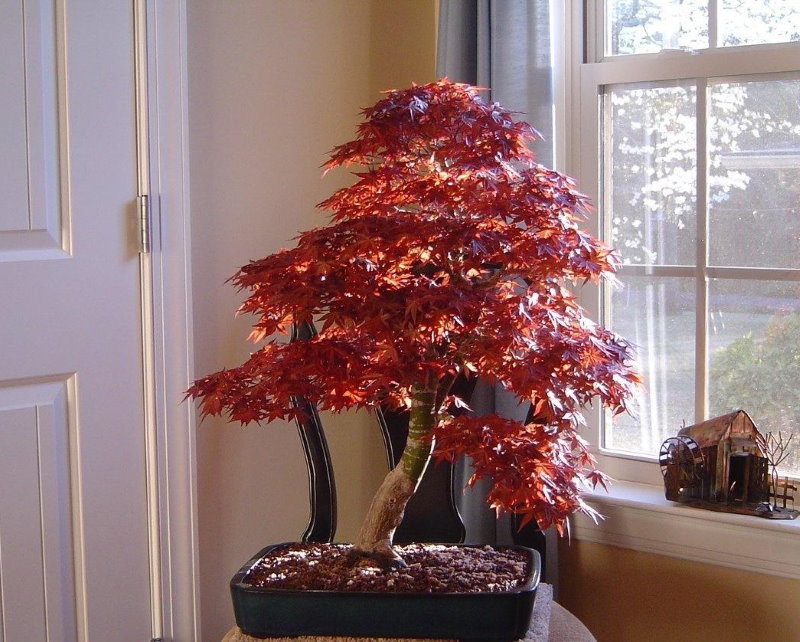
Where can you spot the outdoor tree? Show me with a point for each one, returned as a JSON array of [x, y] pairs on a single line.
[[761, 376], [654, 165], [450, 255], [654, 161], [649, 26]]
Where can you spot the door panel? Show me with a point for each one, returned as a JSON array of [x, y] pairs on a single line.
[[73, 521], [37, 557], [31, 163]]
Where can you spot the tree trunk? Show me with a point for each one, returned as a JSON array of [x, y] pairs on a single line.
[[389, 504]]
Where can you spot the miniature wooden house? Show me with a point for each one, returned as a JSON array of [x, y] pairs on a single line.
[[718, 463]]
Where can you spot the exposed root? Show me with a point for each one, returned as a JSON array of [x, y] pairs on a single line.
[[385, 558]]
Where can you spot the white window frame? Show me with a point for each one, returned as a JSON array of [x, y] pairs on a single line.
[[639, 516]]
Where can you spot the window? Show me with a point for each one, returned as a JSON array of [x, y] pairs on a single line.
[[689, 143]]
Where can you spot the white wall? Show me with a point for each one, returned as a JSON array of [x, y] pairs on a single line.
[[273, 85]]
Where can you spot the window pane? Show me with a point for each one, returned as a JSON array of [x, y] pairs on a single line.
[[648, 26], [754, 349], [754, 173], [651, 156], [657, 315], [753, 22]]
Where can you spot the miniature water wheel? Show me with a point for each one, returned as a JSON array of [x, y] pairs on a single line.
[[682, 464]]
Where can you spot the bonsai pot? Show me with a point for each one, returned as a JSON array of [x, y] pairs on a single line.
[[487, 615]]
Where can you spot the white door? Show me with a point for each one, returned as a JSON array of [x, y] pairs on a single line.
[[74, 557]]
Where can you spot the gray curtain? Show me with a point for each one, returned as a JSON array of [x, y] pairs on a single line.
[[504, 46]]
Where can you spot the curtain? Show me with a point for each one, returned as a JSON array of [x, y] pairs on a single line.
[[503, 46]]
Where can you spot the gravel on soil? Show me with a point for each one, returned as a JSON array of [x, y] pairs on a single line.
[[431, 568]]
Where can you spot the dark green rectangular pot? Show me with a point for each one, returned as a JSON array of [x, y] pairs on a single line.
[[264, 612]]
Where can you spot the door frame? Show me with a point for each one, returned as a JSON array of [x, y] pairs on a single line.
[[168, 289]]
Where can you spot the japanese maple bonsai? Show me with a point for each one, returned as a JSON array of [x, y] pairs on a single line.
[[450, 255]]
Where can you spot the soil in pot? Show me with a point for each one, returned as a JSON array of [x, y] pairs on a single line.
[[431, 568], [450, 592]]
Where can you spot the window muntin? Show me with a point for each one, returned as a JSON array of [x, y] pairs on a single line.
[[698, 194]]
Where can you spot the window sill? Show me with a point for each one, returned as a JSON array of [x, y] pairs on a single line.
[[638, 517]]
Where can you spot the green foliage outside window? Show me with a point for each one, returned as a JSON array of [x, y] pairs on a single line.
[[763, 378]]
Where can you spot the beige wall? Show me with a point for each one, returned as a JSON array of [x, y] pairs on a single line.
[[403, 48], [273, 85], [624, 595]]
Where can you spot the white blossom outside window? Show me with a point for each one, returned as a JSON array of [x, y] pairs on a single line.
[[697, 112]]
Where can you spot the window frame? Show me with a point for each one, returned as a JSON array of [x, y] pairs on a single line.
[[586, 71], [638, 516]]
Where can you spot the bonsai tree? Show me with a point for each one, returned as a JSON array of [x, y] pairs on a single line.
[[450, 255]]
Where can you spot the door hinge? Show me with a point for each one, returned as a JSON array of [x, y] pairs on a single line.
[[143, 220], [156, 639]]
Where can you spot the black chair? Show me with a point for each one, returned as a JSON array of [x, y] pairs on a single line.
[[432, 514]]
